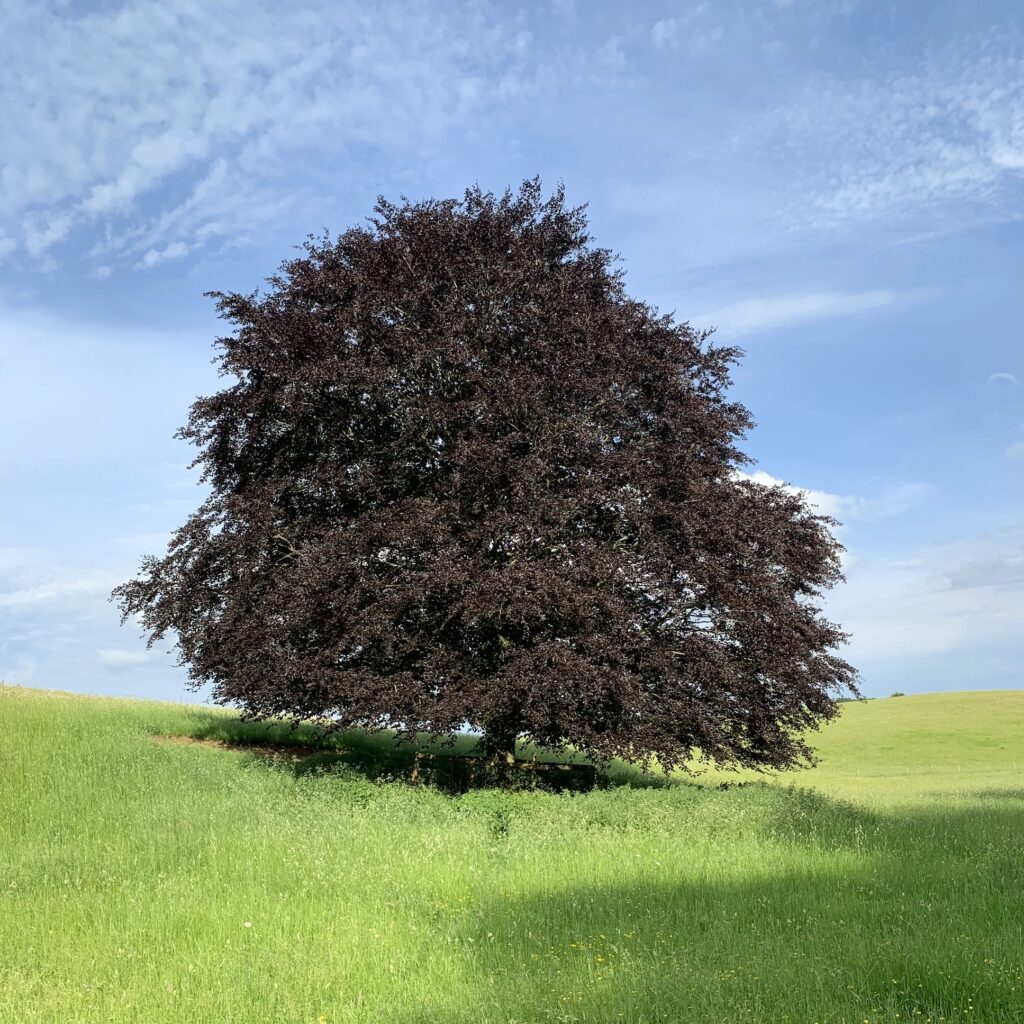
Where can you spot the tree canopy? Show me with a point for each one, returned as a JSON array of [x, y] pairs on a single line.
[[458, 475]]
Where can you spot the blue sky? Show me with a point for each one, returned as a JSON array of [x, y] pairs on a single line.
[[838, 186]]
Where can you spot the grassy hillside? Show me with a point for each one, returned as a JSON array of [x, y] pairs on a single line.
[[146, 880], [904, 748]]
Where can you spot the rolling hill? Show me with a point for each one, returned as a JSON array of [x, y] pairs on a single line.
[[148, 878]]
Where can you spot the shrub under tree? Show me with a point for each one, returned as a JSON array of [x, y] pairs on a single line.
[[460, 476]]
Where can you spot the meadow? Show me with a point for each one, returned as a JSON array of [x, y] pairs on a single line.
[[149, 879]]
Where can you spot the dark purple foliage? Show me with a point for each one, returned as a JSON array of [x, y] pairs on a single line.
[[462, 477]]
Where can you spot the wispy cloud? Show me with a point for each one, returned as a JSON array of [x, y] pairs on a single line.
[[939, 140], [963, 595], [690, 31], [771, 312], [138, 119], [966, 595], [58, 627], [54, 590]]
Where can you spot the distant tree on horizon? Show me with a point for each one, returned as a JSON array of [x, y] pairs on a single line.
[[458, 475]]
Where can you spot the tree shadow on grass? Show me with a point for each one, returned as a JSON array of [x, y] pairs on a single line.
[[378, 756], [306, 749], [881, 917]]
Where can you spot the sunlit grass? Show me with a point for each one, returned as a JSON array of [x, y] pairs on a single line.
[[159, 882]]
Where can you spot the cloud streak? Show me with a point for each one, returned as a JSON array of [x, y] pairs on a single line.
[[118, 660], [1004, 378], [791, 309]]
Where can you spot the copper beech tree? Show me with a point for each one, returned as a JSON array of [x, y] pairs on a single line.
[[458, 475]]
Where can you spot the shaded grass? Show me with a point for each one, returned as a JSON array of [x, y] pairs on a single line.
[[145, 881], [380, 756]]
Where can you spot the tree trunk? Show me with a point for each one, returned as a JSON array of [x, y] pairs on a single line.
[[499, 741]]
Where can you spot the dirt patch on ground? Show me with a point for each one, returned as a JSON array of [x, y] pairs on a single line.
[[286, 751]]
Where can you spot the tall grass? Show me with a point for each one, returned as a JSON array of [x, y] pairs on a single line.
[[159, 882]]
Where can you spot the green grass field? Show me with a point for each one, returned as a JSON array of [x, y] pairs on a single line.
[[152, 881]]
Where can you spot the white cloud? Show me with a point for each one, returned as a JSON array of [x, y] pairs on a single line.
[[682, 31], [41, 236], [963, 595], [892, 502], [58, 589], [173, 251], [665, 33], [960, 596], [118, 660], [611, 53], [1006, 378], [771, 312], [7, 246], [58, 627], [1015, 450]]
